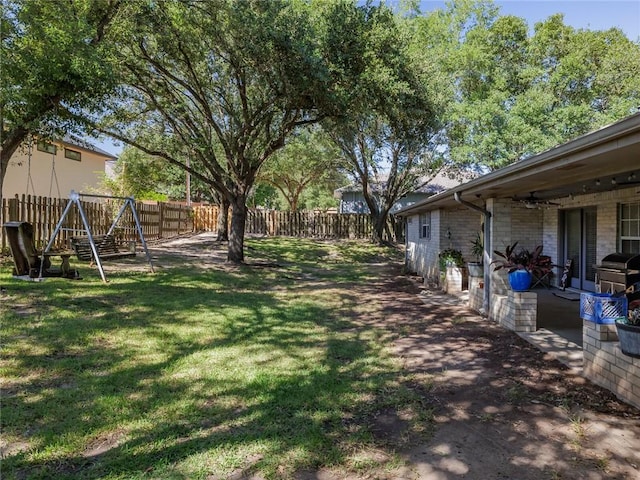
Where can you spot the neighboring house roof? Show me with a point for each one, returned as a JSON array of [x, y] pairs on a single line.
[[439, 183], [603, 160]]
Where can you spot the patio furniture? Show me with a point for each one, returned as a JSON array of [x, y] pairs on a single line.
[[545, 279]]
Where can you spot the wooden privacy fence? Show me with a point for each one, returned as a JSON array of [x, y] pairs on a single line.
[[158, 221], [166, 220], [293, 224]]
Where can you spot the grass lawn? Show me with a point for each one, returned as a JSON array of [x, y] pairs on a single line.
[[200, 373]]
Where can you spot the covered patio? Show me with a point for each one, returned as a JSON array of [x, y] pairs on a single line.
[[559, 325], [580, 201]]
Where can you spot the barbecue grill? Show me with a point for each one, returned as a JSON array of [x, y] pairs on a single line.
[[618, 271]]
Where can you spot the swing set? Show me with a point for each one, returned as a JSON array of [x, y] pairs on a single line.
[[97, 248], [87, 246]]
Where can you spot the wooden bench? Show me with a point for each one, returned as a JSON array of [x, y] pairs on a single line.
[[106, 247]]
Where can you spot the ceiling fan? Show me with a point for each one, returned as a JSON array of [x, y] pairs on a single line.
[[534, 202]]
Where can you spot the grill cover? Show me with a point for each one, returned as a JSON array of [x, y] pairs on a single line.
[[621, 261]]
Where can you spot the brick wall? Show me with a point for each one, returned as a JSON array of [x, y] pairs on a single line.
[[422, 253], [476, 293], [456, 280], [606, 365], [464, 225], [526, 227], [516, 311]]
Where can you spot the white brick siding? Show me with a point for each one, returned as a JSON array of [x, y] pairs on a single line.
[[422, 253]]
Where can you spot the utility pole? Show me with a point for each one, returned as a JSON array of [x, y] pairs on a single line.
[[188, 181]]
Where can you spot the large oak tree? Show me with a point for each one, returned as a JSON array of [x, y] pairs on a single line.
[[309, 158], [388, 136], [514, 94], [229, 81]]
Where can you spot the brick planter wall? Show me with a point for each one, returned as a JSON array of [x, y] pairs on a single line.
[[476, 293], [516, 311], [456, 280], [606, 365]]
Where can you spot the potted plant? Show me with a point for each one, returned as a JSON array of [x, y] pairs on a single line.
[[629, 330], [521, 264], [450, 257], [476, 268]]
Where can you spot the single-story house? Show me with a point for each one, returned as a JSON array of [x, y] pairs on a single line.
[[579, 200], [352, 199], [54, 168]]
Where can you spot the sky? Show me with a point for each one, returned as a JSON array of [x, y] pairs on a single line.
[[585, 14]]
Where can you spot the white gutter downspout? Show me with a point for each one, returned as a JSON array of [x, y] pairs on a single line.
[[486, 257]]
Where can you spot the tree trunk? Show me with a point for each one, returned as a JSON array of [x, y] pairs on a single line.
[[223, 220], [391, 233], [235, 252], [378, 229], [10, 144]]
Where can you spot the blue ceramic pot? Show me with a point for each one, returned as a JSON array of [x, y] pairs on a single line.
[[520, 280]]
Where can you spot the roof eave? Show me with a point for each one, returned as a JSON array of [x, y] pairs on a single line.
[[626, 127]]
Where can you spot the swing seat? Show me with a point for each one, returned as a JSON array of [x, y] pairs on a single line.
[[106, 247]]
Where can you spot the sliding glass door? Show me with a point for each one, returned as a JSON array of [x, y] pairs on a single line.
[[580, 237]]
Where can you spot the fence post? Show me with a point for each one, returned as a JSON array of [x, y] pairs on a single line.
[[14, 208], [160, 219]]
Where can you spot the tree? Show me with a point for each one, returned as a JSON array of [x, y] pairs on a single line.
[[388, 136], [308, 158], [517, 95], [231, 80], [320, 195], [55, 58], [150, 178]]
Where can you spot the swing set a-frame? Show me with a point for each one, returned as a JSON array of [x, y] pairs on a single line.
[[94, 247]]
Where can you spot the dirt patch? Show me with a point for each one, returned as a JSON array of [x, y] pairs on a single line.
[[502, 408]]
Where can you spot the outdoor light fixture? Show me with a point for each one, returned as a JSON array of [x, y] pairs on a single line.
[[597, 182], [613, 181], [449, 233]]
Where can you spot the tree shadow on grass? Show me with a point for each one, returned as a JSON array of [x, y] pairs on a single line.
[[97, 402]]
